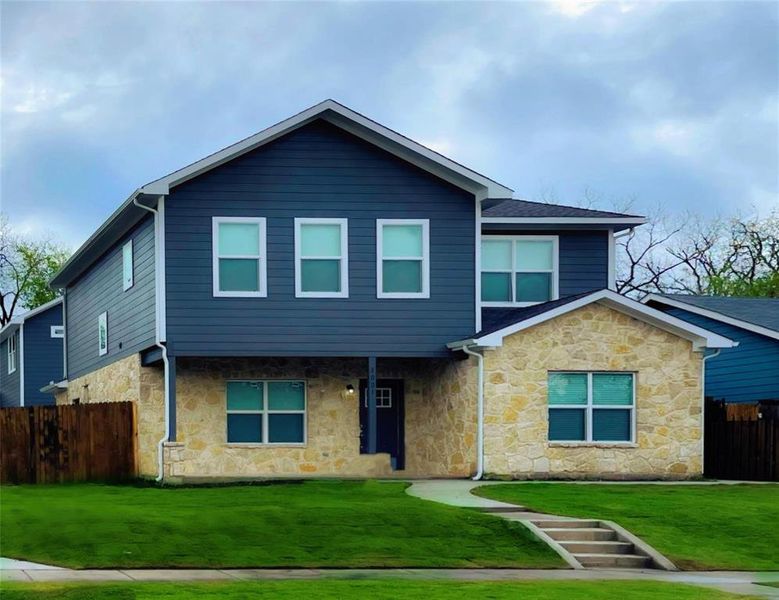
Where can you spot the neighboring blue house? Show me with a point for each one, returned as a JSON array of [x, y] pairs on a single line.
[[31, 355], [328, 297], [749, 372]]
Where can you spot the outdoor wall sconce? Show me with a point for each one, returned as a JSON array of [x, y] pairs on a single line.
[[350, 389]]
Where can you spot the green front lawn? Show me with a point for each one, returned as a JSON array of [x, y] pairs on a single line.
[[311, 524], [375, 589], [696, 526]]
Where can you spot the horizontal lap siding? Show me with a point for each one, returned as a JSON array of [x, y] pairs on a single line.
[[9, 384], [747, 373], [584, 256], [131, 313], [318, 171], [42, 356]]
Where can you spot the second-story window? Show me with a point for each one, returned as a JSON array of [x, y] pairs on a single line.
[[102, 334], [518, 270], [12, 353], [403, 258], [127, 265], [239, 257], [321, 258]]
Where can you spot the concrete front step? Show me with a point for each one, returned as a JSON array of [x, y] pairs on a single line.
[[598, 547], [566, 524], [584, 534], [606, 561]]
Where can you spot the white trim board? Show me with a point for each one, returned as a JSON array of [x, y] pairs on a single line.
[[701, 338], [704, 312], [565, 220], [355, 123]]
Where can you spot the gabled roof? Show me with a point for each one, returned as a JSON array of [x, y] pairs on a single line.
[[14, 323], [353, 122], [758, 315], [511, 211], [520, 319], [129, 214]]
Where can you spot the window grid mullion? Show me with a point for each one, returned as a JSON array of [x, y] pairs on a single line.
[[265, 404], [588, 423]]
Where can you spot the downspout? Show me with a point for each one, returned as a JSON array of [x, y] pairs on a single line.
[[703, 403], [479, 414], [162, 347]]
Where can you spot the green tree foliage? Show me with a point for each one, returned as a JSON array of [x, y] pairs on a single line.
[[26, 267]]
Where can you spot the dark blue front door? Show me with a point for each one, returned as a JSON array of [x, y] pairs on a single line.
[[389, 419]]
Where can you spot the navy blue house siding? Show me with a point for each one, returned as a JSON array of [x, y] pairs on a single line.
[[318, 171], [131, 313], [583, 259], [747, 373], [9, 383], [43, 361]]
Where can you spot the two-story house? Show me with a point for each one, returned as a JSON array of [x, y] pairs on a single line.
[[31, 356], [330, 298]]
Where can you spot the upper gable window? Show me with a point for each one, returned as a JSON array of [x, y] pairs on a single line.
[[127, 265], [321, 258], [518, 270], [12, 353], [239, 257], [403, 258]]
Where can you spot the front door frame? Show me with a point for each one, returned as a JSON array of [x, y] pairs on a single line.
[[398, 398]]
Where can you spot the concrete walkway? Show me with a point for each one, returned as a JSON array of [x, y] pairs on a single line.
[[739, 582]]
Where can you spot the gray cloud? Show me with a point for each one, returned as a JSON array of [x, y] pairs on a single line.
[[662, 101]]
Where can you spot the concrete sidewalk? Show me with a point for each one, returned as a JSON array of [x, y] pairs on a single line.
[[739, 582]]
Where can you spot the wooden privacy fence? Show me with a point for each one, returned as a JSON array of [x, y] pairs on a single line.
[[53, 444], [741, 443]]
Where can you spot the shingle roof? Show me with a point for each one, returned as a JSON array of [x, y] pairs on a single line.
[[763, 312], [495, 319], [509, 207]]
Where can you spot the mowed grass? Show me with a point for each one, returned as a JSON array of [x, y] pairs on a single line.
[[734, 527], [384, 589], [311, 524]]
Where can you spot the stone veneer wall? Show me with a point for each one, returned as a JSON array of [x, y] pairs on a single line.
[[668, 399], [127, 380], [440, 422]]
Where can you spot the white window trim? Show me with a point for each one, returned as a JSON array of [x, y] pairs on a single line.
[[343, 259], [588, 408], [532, 238], [12, 354], [262, 259], [102, 322], [58, 331], [127, 284], [380, 258], [266, 411]]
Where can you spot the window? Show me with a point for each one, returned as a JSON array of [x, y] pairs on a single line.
[[321, 258], [266, 412], [591, 407], [403, 253], [102, 334], [127, 266], [58, 331], [239, 257], [383, 398], [12, 353], [518, 270]]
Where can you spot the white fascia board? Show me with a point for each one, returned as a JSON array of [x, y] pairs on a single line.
[[704, 312], [565, 220], [701, 338], [347, 119]]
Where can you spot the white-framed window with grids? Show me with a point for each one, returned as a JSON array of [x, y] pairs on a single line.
[[266, 412], [519, 270], [383, 398], [11, 356], [239, 257], [403, 258], [592, 406]]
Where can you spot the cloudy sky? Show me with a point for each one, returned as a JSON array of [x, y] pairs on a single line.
[[672, 103]]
